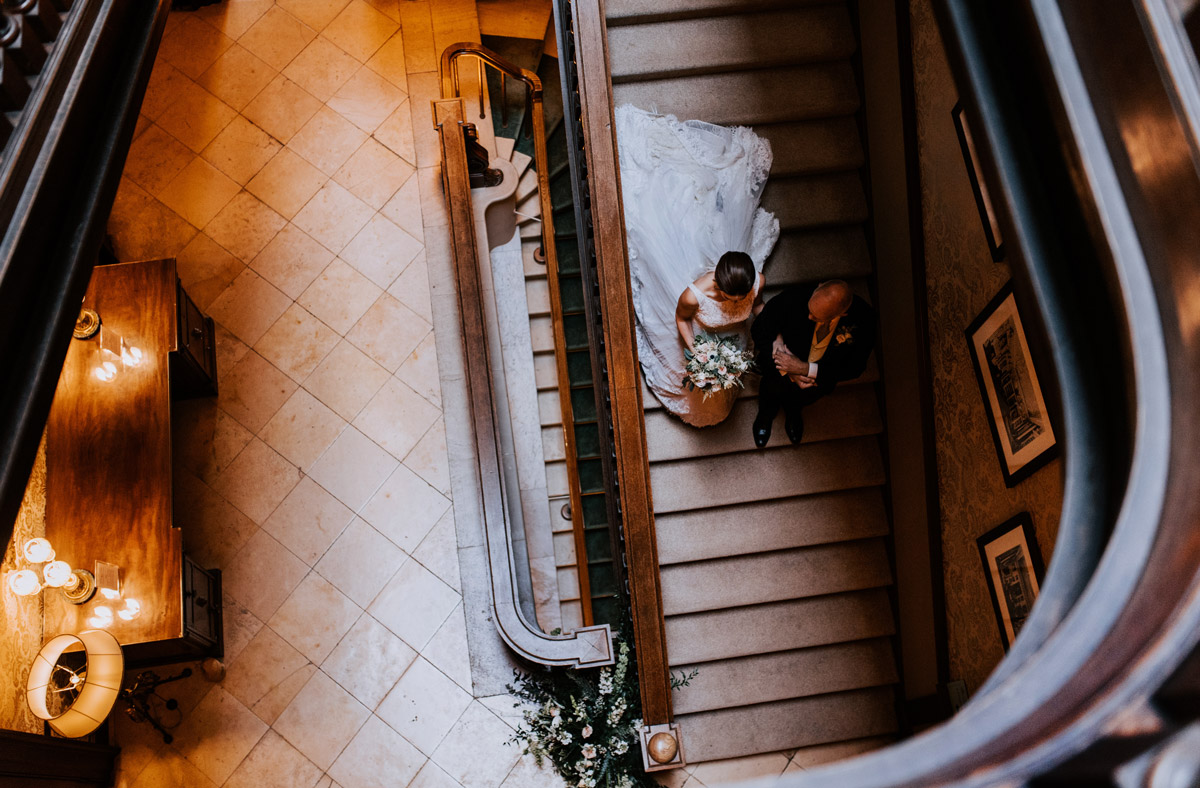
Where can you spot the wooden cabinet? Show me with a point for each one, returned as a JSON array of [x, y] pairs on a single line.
[[108, 464]]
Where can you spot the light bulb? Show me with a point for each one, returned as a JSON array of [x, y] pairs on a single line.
[[24, 582], [38, 551], [57, 573]]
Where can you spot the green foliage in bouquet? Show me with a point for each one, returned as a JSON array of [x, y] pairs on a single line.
[[585, 722]]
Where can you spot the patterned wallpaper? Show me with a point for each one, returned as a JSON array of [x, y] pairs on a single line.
[[961, 280], [22, 617]]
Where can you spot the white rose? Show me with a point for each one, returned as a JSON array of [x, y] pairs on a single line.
[[587, 731]]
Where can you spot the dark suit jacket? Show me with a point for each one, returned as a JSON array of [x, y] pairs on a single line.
[[787, 314]]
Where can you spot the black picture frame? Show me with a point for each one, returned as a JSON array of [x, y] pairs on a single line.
[[1012, 396], [983, 198], [1013, 570]]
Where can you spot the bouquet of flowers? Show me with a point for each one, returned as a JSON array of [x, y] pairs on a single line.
[[715, 363]]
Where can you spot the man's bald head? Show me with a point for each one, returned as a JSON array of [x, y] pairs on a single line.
[[831, 299]]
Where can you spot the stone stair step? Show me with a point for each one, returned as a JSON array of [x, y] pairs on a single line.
[[850, 411], [537, 297], [779, 626], [735, 581], [529, 229], [749, 97], [816, 200], [869, 375], [788, 724], [818, 255], [768, 474], [528, 184], [505, 147], [808, 146], [712, 44], [532, 268], [522, 162], [626, 12], [530, 208], [805, 672], [741, 529]]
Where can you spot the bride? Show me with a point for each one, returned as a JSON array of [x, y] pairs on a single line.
[[697, 242]]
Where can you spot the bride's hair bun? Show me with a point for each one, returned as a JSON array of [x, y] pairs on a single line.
[[735, 274]]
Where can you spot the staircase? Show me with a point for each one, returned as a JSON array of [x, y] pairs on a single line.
[[774, 563]]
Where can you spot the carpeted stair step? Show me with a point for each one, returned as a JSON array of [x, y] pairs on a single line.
[[714, 44], [817, 255], [812, 146], [809, 201], [629, 12]]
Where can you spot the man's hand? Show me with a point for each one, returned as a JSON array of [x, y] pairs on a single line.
[[802, 381], [787, 362]]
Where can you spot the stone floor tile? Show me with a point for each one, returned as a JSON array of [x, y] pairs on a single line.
[[527, 774], [241, 150], [218, 734], [404, 208], [297, 342], [360, 30], [315, 617], [388, 60], [372, 174], [447, 651], [213, 529], [140, 746], [414, 604], [263, 574], [315, 13], [424, 705], [397, 133], [405, 509], [340, 296], [206, 439], [360, 562], [322, 720], [353, 468], [199, 192], [249, 307], [302, 430], [155, 158], [420, 371], [273, 763], [308, 521], [237, 76], [193, 45], [245, 226], [396, 418], [346, 380], [230, 350], [170, 769], [282, 108], [417, 25], [266, 667], [430, 460], [389, 8], [196, 116], [368, 661], [292, 260], [381, 251], [377, 757], [333, 216], [234, 18], [388, 332], [423, 90], [321, 68], [433, 205], [240, 627], [433, 776], [145, 229], [327, 140], [438, 551], [257, 481], [367, 99], [205, 269], [476, 751], [162, 89], [277, 37], [253, 390], [286, 183]]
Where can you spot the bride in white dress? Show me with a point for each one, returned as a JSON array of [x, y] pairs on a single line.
[[691, 191]]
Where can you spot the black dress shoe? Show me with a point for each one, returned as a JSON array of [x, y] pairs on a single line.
[[793, 425], [762, 430]]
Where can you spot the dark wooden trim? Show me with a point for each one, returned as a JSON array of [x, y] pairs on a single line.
[[33, 761], [624, 374]]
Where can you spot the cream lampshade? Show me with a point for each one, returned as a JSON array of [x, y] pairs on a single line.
[[75, 680]]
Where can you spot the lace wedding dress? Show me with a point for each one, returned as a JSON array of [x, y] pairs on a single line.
[[691, 192]]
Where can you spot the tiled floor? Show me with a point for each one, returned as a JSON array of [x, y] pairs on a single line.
[[275, 159]]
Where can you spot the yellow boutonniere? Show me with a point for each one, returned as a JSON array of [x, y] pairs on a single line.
[[843, 335]]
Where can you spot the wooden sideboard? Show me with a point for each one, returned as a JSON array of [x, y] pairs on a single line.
[[108, 464]]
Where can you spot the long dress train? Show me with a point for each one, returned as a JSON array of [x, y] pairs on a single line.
[[691, 191]]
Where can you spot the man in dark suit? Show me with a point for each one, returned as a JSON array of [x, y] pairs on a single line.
[[807, 339]]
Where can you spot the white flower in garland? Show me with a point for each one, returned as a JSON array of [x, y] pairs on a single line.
[[586, 732]]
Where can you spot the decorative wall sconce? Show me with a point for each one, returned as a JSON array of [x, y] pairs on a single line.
[[77, 585]]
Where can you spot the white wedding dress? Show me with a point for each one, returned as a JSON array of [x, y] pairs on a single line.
[[691, 191]]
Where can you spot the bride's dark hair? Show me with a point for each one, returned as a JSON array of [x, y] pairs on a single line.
[[735, 274]]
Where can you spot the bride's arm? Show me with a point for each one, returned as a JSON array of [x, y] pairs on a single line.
[[685, 310], [758, 299]]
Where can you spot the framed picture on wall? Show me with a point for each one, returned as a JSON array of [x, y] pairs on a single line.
[[1012, 395], [983, 199], [1012, 564]]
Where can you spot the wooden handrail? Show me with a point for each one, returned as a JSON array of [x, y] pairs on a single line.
[[541, 163], [587, 646]]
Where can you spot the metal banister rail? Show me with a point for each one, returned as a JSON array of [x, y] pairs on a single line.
[[533, 99], [587, 646]]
